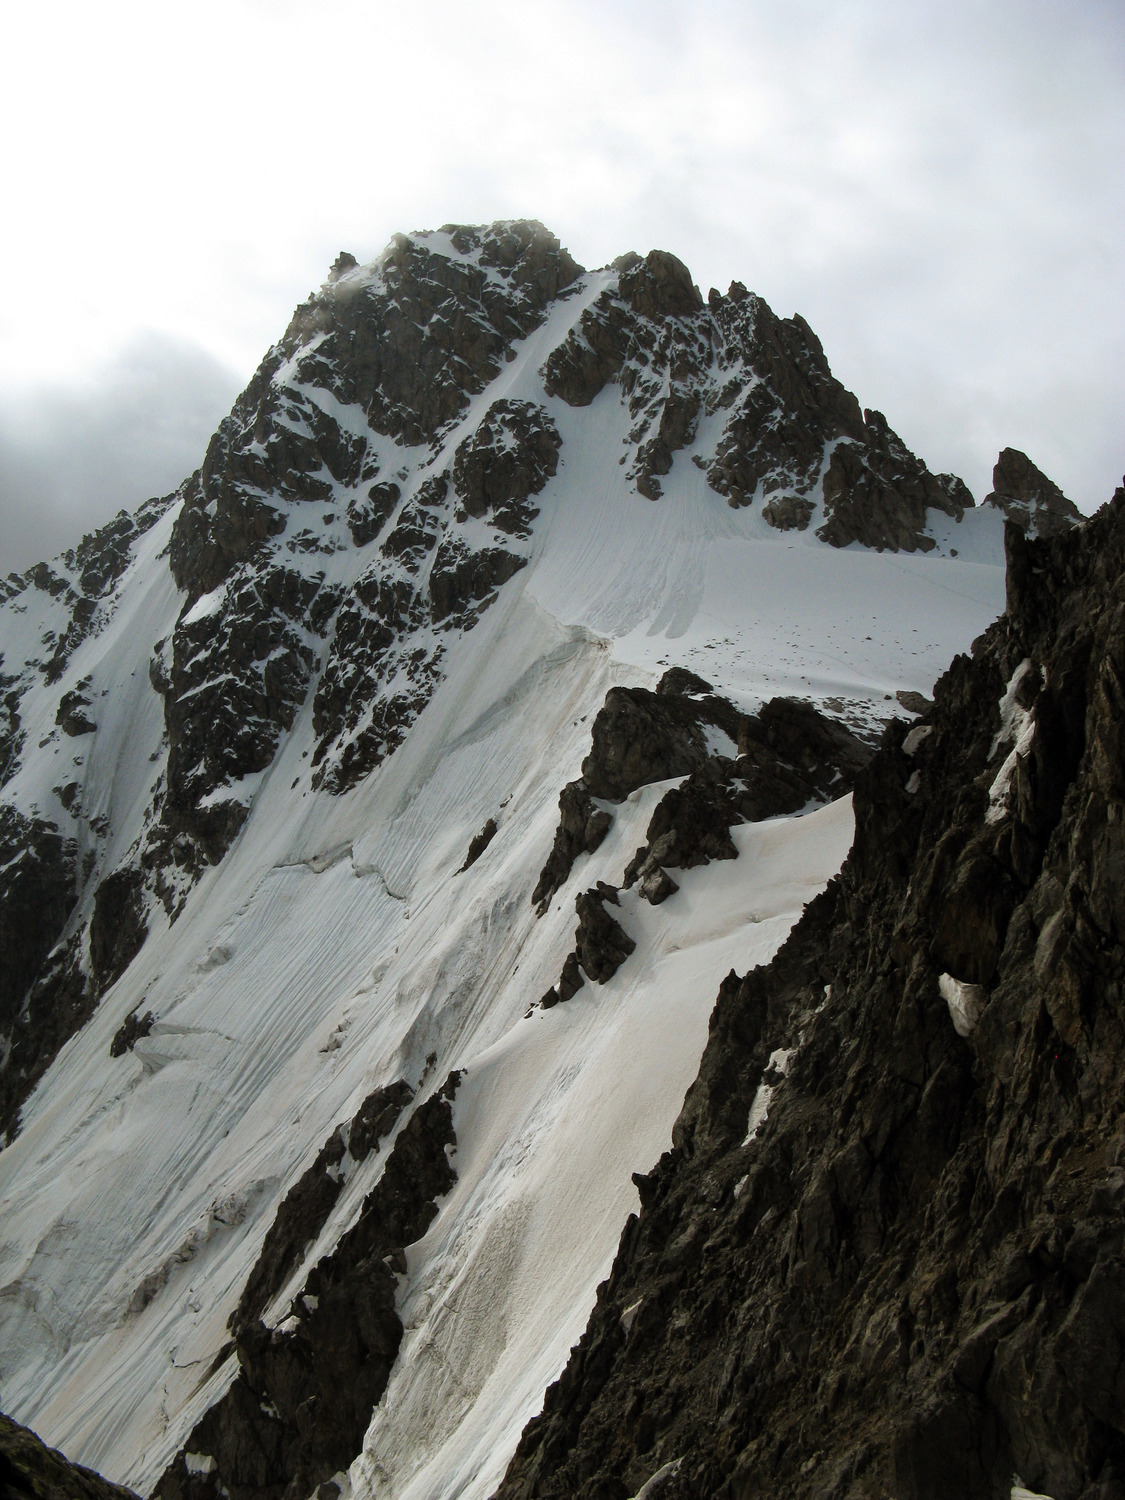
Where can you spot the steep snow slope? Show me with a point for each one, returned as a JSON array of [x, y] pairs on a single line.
[[334, 946]]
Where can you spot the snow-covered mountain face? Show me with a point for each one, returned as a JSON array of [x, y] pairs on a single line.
[[312, 1082]]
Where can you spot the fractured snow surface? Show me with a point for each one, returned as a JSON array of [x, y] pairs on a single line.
[[336, 947]]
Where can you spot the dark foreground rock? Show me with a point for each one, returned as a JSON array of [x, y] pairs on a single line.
[[886, 1254], [29, 1470]]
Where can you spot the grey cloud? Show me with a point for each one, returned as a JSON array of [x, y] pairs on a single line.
[[72, 456], [938, 192]]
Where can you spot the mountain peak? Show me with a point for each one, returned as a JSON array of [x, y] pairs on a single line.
[[503, 589], [1028, 498]]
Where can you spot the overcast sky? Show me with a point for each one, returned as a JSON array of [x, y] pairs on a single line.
[[936, 187]]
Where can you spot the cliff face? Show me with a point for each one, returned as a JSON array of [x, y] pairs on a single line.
[[885, 1253]]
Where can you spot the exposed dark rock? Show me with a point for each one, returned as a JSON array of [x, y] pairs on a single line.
[[238, 674], [118, 926], [1028, 498], [59, 1003], [678, 681], [461, 579], [914, 703], [97, 563], [639, 737], [776, 434], [603, 944], [407, 345], [71, 716], [12, 737], [415, 533], [377, 1117], [62, 987], [376, 680], [877, 493], [478, 844], [368, 514], [302, 1399], [670, 357], [433, 491], [343, 263], [38, 889], [29, 1470], [129, 1033], [302, 1213], [789, 512], [37, 894], [570, 982], [790, 755], [660, 286], [582, 827], [582, 366], [299, 1219], [907, 1279], [508, 458], [656, 885]]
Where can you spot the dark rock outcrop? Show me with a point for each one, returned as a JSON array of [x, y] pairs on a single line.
[[368, 514], [508, 458], [64, 979], [1028, 498], [885, 1253], [789, 756], [783, 758], [602, 943], [72, 716], [640, 736], [877, 492], [118, 926], [38, 889], [478, 844], [302, 1213], [570, 982], [29, 1470], [402, 347], [302, 1399], [582, 827], [462, 581], [794, 437], [133, 1028]]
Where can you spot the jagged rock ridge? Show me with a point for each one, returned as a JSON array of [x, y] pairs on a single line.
[[1028, 498]]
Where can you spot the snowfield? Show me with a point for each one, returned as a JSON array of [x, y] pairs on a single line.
[[336, 948]]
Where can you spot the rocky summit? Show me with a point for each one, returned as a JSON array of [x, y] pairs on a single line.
[[559, 906]]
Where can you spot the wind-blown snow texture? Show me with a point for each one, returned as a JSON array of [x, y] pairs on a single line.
[[251, 732]]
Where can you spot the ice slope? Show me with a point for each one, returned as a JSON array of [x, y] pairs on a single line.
[[551, 1121], [687, 581], [335, 948]]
